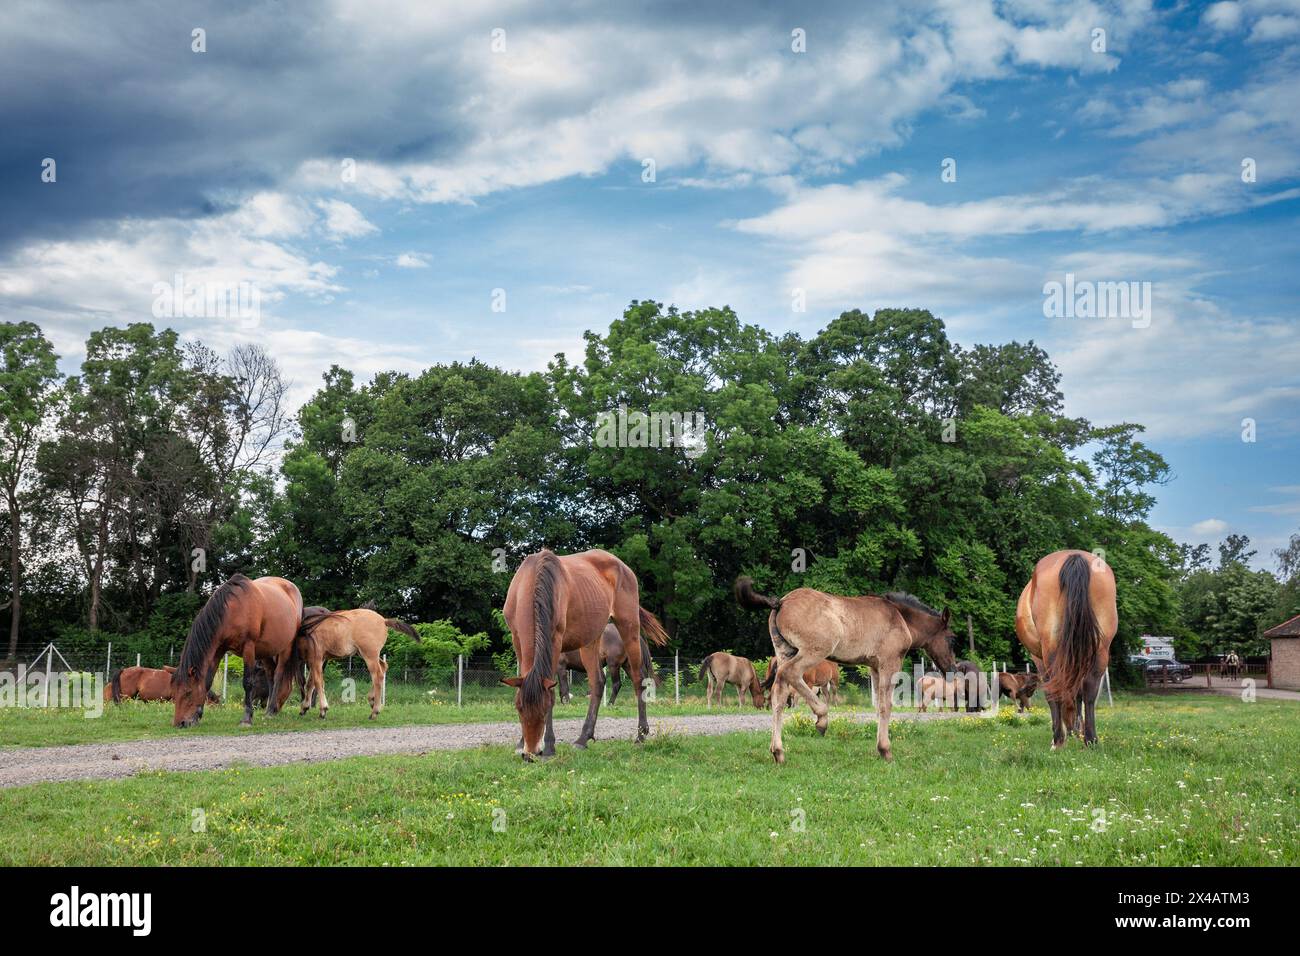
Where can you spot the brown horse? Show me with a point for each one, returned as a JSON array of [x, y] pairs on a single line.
[[144, 683], [252, 618], [808, 627], [558, 603], [1018, 687], [330, 635], [825, 677], [722, 669], [613, 659], [1066, 619]]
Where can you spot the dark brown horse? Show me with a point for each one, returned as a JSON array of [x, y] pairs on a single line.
[[1066, 619], [613, 659], [256, 619], [144, 683], [808, 627], [558, 603]]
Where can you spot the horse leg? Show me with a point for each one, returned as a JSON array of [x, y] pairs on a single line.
[[802, 662], [250, 668], [318, 684], [779, 692], [884, 705], [596, 683], [1090, 689], [377, 670], [629, 629], [548, 739], [1058, 724], [615, 678]]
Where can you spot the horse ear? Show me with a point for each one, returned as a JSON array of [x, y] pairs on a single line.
[[945, 615], [548, 683], [194, 675], [513, 681]]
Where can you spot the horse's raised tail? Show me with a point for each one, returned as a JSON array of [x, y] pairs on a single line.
[[651, 628], [747, 596], [1076, 652], [399, 625]]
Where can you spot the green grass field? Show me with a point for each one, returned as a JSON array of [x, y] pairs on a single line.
[[1175, 781]]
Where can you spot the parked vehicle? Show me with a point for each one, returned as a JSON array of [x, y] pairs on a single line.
[[1164, 669]]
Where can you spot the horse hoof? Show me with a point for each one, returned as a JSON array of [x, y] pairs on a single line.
[[778, 756], [245, 723], [580, 744]]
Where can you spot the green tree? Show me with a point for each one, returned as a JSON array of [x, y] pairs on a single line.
[[27, 377]]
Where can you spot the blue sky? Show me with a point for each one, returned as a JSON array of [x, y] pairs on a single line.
[[521, 169]]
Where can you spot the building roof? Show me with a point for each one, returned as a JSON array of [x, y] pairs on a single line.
[[1289, 628]]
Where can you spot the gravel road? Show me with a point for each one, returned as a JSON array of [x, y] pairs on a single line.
[[27, 765]]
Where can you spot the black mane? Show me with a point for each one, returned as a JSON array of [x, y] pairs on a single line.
[[912, 601], [198, 646]]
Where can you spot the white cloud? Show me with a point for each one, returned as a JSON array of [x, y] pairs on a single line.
[[1210, 527], [1223, 17], [343, 220], [412, 260]]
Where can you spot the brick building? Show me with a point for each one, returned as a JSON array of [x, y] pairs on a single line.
[[1286, 654]]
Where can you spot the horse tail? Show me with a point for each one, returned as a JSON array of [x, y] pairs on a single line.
[[400, 625], [770, 678], [748, 597], [651, 627], [705, 667], [1076, 653], [115, 687]]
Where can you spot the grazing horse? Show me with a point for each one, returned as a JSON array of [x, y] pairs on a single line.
[[612, 659], [934, 686], [144, 683], [825, 677], [329, 635], [1066, 619], [558, 603], [1018, 687], [808, 627], [971, 677], [256, 619], [722, 669]]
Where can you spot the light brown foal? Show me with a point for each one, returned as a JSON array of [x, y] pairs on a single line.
[[808, 627], [336, 634], [722, 669]]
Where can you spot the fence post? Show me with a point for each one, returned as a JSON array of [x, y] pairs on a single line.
[[460, 677], [677, 676], [137, 658], [1110, 701], [49, 660], [108, 662], [383, 685], [225, 676]]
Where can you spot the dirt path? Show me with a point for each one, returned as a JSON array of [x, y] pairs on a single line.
[[27, 765]]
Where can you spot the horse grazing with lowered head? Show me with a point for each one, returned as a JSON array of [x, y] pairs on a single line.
[[329, 635], [1018, 687], [256, 619], [144, 683], [808, 627], [1066, 618], [824, 679], [721, 669], [558, 603]]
